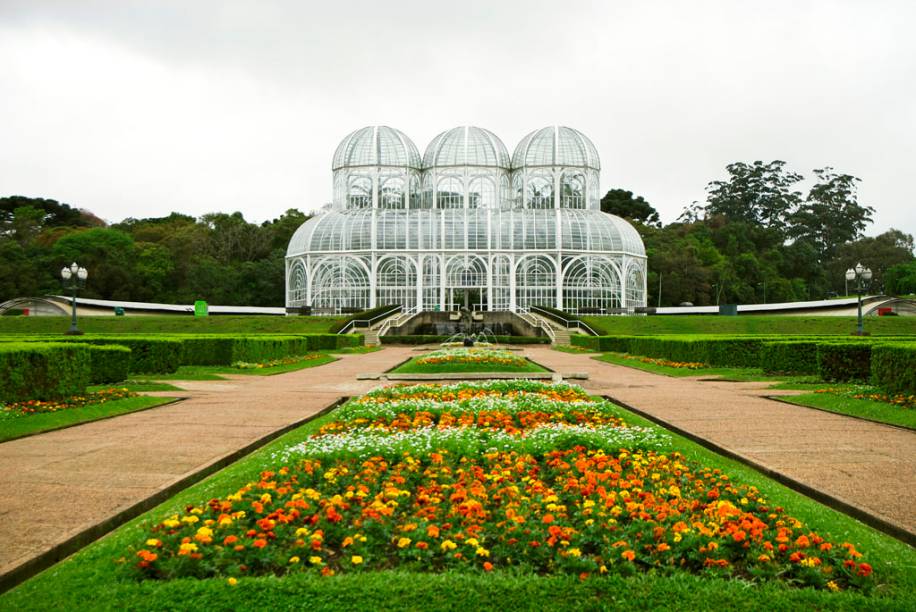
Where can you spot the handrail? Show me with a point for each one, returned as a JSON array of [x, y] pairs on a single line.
[[577, 323], [524, 314], [369, 322], [397, 321]]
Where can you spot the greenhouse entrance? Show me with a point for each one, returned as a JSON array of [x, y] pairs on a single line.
[[472, 298]]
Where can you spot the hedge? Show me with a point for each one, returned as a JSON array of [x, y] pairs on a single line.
[[604, 344], [109, 363], [42, 371], [433, 339], [893, 367], [148, 355], [843, 361], [791, 357]]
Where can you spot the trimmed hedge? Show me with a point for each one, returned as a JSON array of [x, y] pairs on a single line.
[[791, 357], [844, 361], [893, 367], [109, 363], [148, 355], [42, 371], [604, 344], [433, 339]]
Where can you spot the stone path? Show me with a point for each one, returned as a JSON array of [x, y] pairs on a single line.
[[58, 484], [868, 466]]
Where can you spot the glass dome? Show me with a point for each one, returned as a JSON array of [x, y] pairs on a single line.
[[556, 146], [376, 145], [466, 146]]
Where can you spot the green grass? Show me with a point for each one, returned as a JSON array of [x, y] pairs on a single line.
[[717, 372], [747, 324], [137, 386], [569, 348], [219, 372], [882, 412], [37, 423], [93, 578], [863, 408], [412, 367], [172, 324]]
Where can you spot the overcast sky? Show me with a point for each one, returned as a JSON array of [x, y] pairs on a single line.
[[143, 108]]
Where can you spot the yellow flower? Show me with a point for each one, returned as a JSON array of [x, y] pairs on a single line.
[[448, 545], [356, 559], [482, 552], [472, 542], [190, 520], [153, 542], [232, 582], [316, 560], [833, 586], [574, 552], [294, 559], [403, 542]]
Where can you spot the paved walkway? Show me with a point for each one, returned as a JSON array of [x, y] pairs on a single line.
[[58, 484], [866, 465]]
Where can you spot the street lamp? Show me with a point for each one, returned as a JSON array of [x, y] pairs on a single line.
[[73, 277], [862, 276]]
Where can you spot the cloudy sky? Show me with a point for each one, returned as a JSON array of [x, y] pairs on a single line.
[[143, 108]]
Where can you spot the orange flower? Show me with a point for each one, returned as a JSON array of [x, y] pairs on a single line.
[[629, 555], [487, 566], [259, 543]]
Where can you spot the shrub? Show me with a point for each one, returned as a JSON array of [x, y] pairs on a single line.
[[792, 357], [109, 363], [842, 361], [42, 371], [893, 367], [148, 355], [226, 350]]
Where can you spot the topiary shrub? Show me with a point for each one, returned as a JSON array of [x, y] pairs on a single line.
[[109, 363], [792, 357], [42, 371], [844, 361], [893, 367]]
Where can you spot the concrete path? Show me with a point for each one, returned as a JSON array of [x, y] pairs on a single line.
[[868, 466], [59, 484]]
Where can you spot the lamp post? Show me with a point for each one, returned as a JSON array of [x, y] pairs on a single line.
[[862, 276], [73, 277]]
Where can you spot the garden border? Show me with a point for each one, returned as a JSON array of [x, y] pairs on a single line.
[[59, 552], [173, 400], [777, 398], [904, 535]]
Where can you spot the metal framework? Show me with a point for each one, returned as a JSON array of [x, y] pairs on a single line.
[[466, 225]]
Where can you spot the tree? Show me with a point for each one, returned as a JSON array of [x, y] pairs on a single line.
[[55, 213], [880, 253], [901, 279], [622, 203], [756, 193], [831, 215]]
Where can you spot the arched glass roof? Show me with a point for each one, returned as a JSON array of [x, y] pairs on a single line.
[[516, 229], [466, 146], [556, 146], [376, 145]]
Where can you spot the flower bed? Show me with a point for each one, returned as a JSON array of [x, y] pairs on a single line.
[[21, 409], [469, 360], [686, 365], [272, 363], [534, 477], [874, 394]]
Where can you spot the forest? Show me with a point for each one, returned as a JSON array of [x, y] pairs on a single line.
[[756, 238]]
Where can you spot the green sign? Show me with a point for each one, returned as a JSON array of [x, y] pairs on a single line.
[[200, 308], [119, 311]]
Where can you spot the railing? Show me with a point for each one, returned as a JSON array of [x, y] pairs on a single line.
[[534, 321], [367, 322], [569, 323], [405, 316]]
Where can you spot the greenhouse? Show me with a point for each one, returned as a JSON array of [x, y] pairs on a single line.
[[466, 226]]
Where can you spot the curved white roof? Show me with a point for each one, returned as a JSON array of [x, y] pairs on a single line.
[[376, 145], [466, 146], [516, 229], [556, 146]]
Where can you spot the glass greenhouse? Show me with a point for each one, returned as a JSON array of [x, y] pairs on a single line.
[[466, 225]]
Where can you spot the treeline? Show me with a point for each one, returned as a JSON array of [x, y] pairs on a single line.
[[756, 238], [219, 257]]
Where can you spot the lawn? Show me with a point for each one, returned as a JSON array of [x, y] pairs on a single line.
[[99, 577], [11, 428], [172, 324], [747, 324], [834, 397], [466, 361], [219, 372]]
